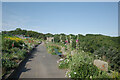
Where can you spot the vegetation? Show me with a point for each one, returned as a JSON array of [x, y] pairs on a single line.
[[80, 64], [89, 48], [25, 33], [100, 46], [51, 48], [15, 49]]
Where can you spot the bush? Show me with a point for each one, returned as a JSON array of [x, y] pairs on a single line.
[[8, 64], [64, 64], [81, 66], [111, 54], [21, 54]]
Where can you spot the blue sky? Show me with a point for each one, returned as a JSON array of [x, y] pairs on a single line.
[[62, 17]]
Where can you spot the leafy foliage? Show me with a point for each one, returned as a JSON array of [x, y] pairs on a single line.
[[81, 66], [97, 44], [15, 49]]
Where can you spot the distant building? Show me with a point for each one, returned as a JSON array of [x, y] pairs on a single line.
[[50, 39]]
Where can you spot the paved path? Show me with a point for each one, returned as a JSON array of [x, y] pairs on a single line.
[[40, 65]]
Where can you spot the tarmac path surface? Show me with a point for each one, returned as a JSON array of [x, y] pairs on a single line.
[[40, 65]]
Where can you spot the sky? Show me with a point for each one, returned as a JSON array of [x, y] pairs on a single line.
[[62, 17]]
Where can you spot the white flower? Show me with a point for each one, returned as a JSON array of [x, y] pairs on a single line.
[[74, 72], [90, 76], [66, 72], [65, 75], [68, 60], [57, 61], [96, 55], [61, 59], [69, 76], [23, 45]]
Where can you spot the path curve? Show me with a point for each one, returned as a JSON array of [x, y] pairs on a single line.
[[40, 65]]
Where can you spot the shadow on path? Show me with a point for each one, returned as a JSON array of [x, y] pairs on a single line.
[[21, 68], [39, 64]]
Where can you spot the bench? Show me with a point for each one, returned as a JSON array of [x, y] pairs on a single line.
[[58, 53]]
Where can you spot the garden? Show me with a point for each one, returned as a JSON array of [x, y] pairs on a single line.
[[14, 50], [80, 52]]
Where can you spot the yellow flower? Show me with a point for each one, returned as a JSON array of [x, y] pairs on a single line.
[[14, 38]]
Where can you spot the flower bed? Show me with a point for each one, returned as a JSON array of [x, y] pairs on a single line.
[[14, 50], [80, 64], [51, 48]]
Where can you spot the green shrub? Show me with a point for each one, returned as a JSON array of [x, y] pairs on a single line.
[[81, 66], [21, 54], [111, 54], [8, 64], [7, 56], [14, 50], [64, 64]]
